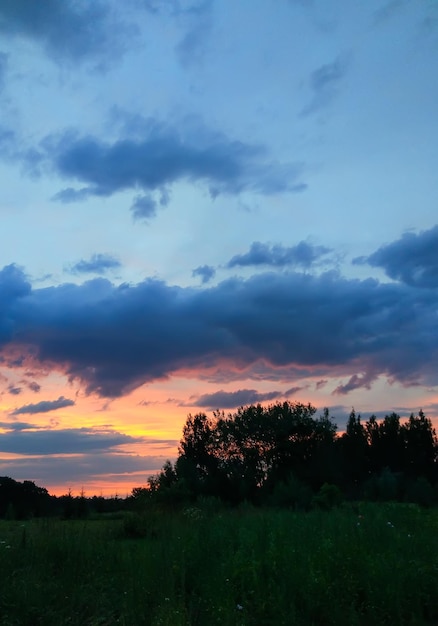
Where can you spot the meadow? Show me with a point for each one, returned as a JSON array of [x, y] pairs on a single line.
[[357, 564]]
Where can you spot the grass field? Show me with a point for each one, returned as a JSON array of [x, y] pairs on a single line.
[[367, 565]]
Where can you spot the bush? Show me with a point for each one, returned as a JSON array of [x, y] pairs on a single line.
[[328, 497]]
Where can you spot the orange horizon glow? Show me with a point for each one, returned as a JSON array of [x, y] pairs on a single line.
[[153, 416]]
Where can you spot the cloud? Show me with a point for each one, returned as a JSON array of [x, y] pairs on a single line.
[[44, 406], [205, 272], [69, 195], [13, 390], [198, 22], [98, 264], [356, 382], [302, 255], [22, 439], [114, 338], [80, 469], [412, 259], [232, 399], [34, 386], [159, 156], [17, 426], [68, 30], [324, 84], [321, 383], [144, 207]]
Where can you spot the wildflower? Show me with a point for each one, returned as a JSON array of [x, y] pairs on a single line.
[[239, 607]]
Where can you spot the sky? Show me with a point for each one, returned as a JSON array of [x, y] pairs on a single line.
[[206, 204]]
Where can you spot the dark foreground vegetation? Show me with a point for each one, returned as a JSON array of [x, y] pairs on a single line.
[[357, 564], [266, 517]]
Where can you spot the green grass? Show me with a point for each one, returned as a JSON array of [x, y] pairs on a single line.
[[237, 568]]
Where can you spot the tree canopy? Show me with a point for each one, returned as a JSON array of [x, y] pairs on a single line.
[[254, 452]]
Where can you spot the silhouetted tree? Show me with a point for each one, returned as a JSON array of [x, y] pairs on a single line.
[[23, 499], [355, 450], [421, 447]]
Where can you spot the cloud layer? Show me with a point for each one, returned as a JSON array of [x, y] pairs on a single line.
[[115, 338]]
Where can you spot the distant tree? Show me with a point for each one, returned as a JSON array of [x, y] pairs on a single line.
[[355, 451], [421, 447], [26, 499]]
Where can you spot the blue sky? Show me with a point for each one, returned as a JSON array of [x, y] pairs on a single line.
[[206, 204]]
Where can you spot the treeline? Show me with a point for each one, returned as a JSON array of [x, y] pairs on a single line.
[[22, 500], [283, 454]]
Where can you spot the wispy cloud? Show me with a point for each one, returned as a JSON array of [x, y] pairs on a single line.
[[356, 381], [231, 399], [302, 255], [97, 264], [325, 83], [44, 406]]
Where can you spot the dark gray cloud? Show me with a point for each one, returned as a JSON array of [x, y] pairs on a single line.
[[324, 84], [34, 386], [321, 383], [97, 264], [115, 338], [412, 259], [68, 30], [144, 207], [44, 406], [302, 255], [356, 381], [205, 273], [232, 399], [31, 440], [14, 390], [159, 156]]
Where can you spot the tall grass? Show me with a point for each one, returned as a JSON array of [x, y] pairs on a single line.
[[374, 565]]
